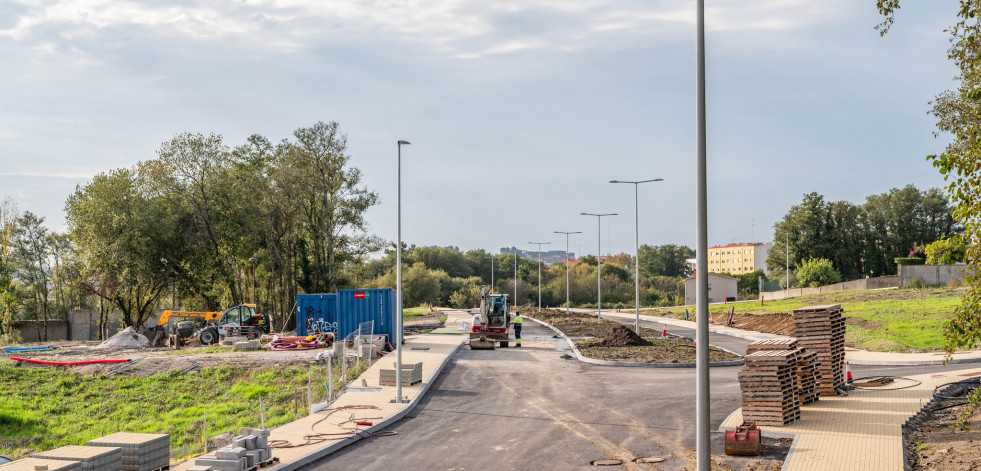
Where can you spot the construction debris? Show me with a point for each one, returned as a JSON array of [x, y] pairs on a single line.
[[128, 338], [821, 329], [621, 336]]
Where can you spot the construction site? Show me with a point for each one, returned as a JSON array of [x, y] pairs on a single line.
[[217, 391]]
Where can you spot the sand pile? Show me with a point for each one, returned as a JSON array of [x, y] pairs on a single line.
[[128, 338], [622, 336]]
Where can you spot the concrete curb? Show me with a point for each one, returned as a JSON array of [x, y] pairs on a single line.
[[323, 452], [793, 436], [595, 361], [911, 363]]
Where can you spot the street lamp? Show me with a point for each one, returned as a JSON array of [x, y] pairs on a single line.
[[515, 302], [637, 248], [599, 262], [398, 279], [540, 244], [567, 267], [492, 272], [253, 261], [703, 446]]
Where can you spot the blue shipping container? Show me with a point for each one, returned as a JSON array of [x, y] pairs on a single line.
[[345, 311], [355, 306], [316, 313]]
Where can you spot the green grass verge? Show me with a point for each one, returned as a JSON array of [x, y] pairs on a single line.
[[41, 409], [417, 311], [899, 320]]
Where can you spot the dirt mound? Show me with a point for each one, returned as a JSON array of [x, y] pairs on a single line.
[[622, 336], [128, 338]]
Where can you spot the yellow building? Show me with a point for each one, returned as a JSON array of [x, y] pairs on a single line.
[[738, 259]]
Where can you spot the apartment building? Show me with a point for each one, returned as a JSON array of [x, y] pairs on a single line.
[[738, 259]]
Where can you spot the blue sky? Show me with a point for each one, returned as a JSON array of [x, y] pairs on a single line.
[[519, 112]]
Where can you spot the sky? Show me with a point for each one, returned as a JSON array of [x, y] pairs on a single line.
[[519, 112]]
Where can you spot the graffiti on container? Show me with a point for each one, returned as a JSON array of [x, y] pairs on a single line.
[[316, 324]]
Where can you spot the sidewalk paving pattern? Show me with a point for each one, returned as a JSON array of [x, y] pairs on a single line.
[[441, 347], [861, 431]]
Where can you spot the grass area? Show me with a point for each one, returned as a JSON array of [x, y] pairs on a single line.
[[898, 320], [417, 311], [42, 409]]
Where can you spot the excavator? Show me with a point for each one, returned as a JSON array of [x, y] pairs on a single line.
[[210, 327], [490, 324]]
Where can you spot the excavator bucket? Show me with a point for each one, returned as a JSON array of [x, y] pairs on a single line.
[[481, 343]]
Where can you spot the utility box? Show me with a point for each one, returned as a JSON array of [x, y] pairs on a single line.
[[316, 313], [344, 312]]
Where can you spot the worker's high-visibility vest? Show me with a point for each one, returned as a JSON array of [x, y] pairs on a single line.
[[517, 319]]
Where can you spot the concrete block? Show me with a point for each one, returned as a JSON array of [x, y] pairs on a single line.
[[260, 432], [253, 457], [200, 468], [250, 442], [261, 442], [239, 441]]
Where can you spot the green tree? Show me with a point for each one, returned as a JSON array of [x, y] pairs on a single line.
[[8, 297], [128, 240], [665, 260], [816, 272], [31, 259], [946, 251]]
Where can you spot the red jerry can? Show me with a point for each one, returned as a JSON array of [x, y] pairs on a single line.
[[745, 440]]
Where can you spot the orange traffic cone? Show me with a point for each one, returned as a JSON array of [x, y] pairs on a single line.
[[848, 373]]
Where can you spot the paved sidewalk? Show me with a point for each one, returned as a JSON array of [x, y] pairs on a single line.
[[854, 356], [433, 350], [861, 431]]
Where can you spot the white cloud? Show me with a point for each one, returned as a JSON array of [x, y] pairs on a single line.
[[461, 28]]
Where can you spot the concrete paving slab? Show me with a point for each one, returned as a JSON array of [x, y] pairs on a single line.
[[861, 431]]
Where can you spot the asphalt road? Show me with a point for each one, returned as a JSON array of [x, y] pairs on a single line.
[[529, 408]]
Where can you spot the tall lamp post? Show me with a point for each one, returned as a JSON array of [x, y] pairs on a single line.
[[492, 272], [398, 280], [253, 261], [540, 244], [637, 248], [567, 234], [599, 262], [515, 302], [703, 446]]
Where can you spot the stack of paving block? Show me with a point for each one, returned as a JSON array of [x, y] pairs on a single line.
[[248, 450], [91, 458], [769, 386], [411, 374], [821, 329], [806, 367], [140, 451], [35, 464]]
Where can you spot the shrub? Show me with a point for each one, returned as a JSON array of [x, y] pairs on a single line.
[[946, 251], [816, 272], [909, 261]]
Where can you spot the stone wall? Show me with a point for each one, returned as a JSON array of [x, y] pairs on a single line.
[[861, 283], [933, 275]]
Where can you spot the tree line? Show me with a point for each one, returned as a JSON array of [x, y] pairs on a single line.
[[860, 239]]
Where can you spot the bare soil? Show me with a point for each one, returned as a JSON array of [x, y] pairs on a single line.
[[150, 361], [936, 445], [612, 340], [781, 323]]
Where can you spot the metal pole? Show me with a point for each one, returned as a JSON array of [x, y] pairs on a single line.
[[262, 414], [636, 259], [515, 302], [540, 244], [567, 302], [787, 246], [398, 282], [703, 450], [599, 264], [492, 273]]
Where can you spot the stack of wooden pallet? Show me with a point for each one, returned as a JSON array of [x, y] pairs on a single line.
[[806, 367], [769, 386], [821, 330]]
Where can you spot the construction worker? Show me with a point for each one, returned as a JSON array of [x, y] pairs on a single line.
[[517, 329]]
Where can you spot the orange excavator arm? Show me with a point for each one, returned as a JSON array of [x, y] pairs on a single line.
[[207, 316]]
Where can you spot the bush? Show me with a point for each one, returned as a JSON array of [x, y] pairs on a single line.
[[946, 251], [909, 261], [816, 272]]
